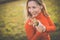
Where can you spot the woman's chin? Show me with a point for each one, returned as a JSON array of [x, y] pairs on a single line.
[[34, 15]]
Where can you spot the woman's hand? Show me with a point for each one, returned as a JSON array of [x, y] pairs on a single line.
[[40, 27], [34, 22]]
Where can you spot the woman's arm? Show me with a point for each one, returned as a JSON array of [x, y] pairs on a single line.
[[51, 27]]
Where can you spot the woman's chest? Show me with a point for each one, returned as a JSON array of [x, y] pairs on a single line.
[[43, 20]]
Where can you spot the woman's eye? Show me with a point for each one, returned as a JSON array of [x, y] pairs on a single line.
[[33, 7]]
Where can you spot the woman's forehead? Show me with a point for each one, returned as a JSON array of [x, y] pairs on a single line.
[[32, 3]]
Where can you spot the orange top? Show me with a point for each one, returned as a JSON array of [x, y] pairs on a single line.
[[33, 34]]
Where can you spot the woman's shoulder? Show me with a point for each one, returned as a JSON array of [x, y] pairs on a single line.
[[47, 16]]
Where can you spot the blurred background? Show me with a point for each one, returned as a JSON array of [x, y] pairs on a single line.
[[13, 16]]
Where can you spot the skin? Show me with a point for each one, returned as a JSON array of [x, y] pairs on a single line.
[[34, 8]]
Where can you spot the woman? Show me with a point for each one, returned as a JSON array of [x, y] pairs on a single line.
[[39, 25]]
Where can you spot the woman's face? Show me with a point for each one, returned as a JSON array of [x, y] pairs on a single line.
[[34, 8]]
